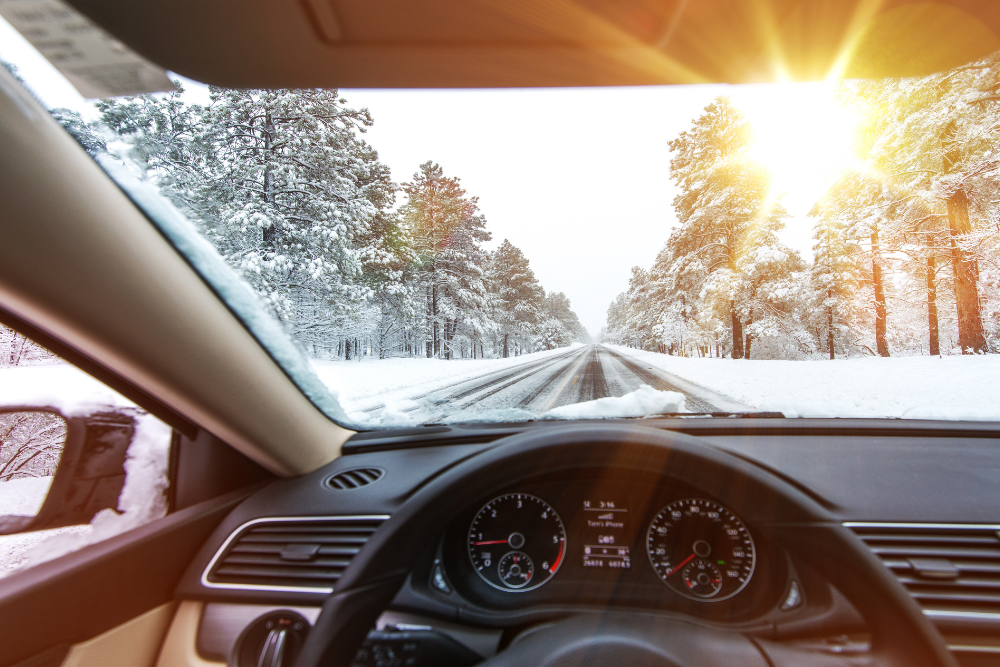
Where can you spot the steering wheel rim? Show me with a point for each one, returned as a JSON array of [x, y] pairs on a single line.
[[901, 634]]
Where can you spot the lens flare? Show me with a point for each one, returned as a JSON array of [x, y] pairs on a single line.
[[802, 135]]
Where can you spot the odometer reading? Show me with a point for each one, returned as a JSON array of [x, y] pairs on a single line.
[[517, 542], [701, 550]]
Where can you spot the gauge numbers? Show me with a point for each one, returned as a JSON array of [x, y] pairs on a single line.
[[701, 550], [517, 542]]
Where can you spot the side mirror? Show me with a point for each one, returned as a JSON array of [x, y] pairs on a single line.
[[85, 457]]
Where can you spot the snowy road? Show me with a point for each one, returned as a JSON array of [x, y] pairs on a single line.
[[574, 376]]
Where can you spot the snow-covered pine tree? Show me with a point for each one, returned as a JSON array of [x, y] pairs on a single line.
[[936, 139], [835, 281], [447, 232], [290, 204], [557, 306], [518, 298], [86, 134], [727, 215]]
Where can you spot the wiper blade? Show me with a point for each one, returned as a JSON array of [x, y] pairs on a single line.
[[721, 415]]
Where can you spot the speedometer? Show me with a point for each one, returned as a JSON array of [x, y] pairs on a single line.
[[517, 542], [701, 550]]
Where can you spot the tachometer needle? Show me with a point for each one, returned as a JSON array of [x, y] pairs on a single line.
[[682, 564], [479, 544]]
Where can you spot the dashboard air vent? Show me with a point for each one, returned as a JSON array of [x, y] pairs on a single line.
[[949, 569], [290, 554], [354, 479]]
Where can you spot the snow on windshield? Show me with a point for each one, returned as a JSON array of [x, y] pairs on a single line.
[[812, 249]]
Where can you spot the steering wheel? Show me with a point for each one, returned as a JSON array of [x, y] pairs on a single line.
[[900, 633]]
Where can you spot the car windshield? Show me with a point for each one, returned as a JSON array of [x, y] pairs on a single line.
[[824, 249]]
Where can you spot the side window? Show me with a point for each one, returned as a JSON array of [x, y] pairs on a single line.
[[79, 462]]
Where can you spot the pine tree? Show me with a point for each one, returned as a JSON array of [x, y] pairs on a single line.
[[557, 306], [447, 232], [725, 210], [518, 296], [835, 281]]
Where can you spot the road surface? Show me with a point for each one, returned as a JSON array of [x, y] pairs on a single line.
[[573, 376]]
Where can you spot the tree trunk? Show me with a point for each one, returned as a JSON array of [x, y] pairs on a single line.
[[506, 349], [746, 348], [829, 322], [881, 344], [737, 332], [932, 315], [966, 271], [271, 233], [971, 337]]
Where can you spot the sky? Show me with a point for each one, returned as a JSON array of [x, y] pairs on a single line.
[[578, 179]]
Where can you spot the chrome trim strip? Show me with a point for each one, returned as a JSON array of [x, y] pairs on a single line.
[[934, 526], [967, 615], [973, 648], [277, 519]]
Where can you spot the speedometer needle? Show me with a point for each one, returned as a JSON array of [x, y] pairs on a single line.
[[479, 544], [682, 564]]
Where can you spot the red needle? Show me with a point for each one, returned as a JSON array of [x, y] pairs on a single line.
[[479, 544], [683, 563]]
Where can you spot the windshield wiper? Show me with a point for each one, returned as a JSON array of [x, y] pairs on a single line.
[[723, 415]]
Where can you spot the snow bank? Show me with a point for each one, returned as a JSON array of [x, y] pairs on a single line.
[[60, 386], [643, 401], [958, 387], [24, 496]]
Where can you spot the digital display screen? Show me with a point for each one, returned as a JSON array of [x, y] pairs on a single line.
[[607, 534]]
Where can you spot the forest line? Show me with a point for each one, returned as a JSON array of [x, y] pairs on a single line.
[[285, 187], [906, 246]]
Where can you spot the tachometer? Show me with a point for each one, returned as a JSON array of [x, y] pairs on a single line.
[[517, 542], [701, 549]]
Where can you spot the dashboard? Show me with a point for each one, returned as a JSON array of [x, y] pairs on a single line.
[[563, 539]]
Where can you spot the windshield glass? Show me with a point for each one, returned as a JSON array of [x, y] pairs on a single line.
[[812, 249]]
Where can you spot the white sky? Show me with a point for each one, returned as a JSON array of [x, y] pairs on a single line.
[[577, 178]]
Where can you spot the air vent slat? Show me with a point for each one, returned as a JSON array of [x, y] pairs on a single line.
[[276, 550], [354, 479], [937, 552], [342, 561], [290, 554], [314, 539], [945, 568], [270, 573]]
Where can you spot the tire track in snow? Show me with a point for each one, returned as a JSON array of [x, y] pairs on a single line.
[[494, 378], [697, 397]]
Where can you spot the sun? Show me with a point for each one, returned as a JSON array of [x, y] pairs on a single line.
[[802, 134]]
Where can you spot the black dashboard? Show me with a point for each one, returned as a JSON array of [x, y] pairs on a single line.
[[588, 538]]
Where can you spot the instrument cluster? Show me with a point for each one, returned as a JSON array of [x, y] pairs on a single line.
[[583, 539]]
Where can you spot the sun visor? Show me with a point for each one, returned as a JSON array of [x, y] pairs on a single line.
[[520, 43], [97, 64]]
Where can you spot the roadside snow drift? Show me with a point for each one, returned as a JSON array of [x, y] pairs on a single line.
[[955, 387], [643, 401]]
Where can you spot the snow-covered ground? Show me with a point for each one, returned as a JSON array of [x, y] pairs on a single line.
[[357, 381], [956, 387], [23, 496], [390, 393]]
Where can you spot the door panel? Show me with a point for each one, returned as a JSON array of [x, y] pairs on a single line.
[[86, 593]]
